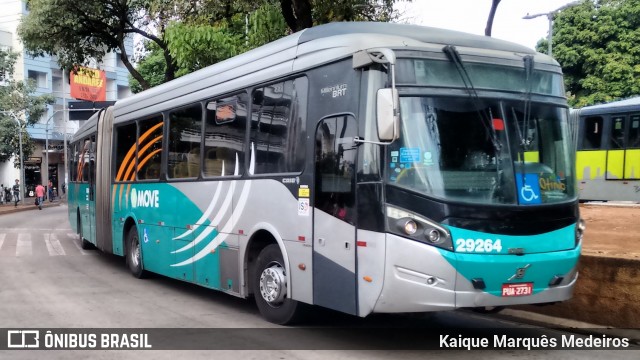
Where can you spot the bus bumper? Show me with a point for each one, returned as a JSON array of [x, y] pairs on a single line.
[[421, 278]]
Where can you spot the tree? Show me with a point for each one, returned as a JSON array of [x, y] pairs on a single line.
[[77, 32], [596, 43], [198, 43], [302, 14], [151, 66], [195, 46], [186, 34], [222, 29], [17, 97]]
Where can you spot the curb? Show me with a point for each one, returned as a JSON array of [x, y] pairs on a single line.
[[575, 326], [9, 209]]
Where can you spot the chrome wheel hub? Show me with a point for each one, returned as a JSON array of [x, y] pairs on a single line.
[[135, 255], [273, 285]]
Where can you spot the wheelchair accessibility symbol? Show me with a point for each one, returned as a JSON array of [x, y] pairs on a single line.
[[528, 189], [528, 194]]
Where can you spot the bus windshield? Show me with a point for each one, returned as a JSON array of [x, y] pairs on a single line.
[[450, 149]]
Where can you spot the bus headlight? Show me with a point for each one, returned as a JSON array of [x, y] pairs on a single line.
[[408, 224], [433, 235], [580, 227]]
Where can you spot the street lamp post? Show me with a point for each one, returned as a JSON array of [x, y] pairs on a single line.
[[13, 115], [46, 146], [550, 16]]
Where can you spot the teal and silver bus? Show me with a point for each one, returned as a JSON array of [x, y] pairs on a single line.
[[361, 167]]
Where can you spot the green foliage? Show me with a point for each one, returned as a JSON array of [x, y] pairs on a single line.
[[70, 30], [152, 66], [17, 99], [222, 29], [325, 11], [77, 32], [266, 24], [598, 45], [196, 46]]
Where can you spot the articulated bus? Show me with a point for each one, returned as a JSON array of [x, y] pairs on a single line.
[[361, 167], [608, 151]]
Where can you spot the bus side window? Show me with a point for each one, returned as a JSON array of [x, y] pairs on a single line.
[[277, 126], [592, 138], [149, 148], [224, 133], [634, 132], [185, 137], [616, 140]]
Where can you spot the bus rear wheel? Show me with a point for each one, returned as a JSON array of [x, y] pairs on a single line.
[[134, 253], [270, 289]]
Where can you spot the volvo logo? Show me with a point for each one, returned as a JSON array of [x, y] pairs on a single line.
[[519, 272]]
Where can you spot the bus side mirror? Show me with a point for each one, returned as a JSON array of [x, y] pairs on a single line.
[[386, 113]]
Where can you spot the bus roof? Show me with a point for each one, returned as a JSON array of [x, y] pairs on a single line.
[[631, 104], [305, 49], [421, 33], [337, 40]]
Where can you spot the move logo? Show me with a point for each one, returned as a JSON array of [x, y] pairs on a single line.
[[145, 198]]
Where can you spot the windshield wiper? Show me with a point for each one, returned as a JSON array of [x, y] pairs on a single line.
[[523, 131], [454, 56]]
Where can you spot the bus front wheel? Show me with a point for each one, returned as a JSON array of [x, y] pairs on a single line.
[[134, 253], [270, 288]]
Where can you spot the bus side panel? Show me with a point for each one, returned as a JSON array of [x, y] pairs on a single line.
[[632, 164], [270, 205], [591, 164], [371, 257], [592, 185], [85, 212], [117, 223], [615, 165]]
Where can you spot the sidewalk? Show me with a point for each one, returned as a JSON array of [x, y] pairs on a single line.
[[28, 205]]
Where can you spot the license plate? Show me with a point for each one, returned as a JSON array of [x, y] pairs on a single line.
[[519, 289]]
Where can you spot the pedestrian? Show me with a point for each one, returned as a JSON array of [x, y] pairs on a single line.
[[16, 193], [50, 188], [40, 195], [7, 194]]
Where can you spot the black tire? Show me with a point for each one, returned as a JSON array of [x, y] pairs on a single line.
[[86, 245], [270, 289], [134, 254], [488, 309]]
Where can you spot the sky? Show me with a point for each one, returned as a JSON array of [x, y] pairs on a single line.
[[471, 16]]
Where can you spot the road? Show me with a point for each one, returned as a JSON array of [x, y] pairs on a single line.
[[48, 282]]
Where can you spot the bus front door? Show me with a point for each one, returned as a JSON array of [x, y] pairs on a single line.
[[334, 230], [90, 234]]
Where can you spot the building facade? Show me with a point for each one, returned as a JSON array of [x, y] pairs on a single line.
[[47, 163]]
